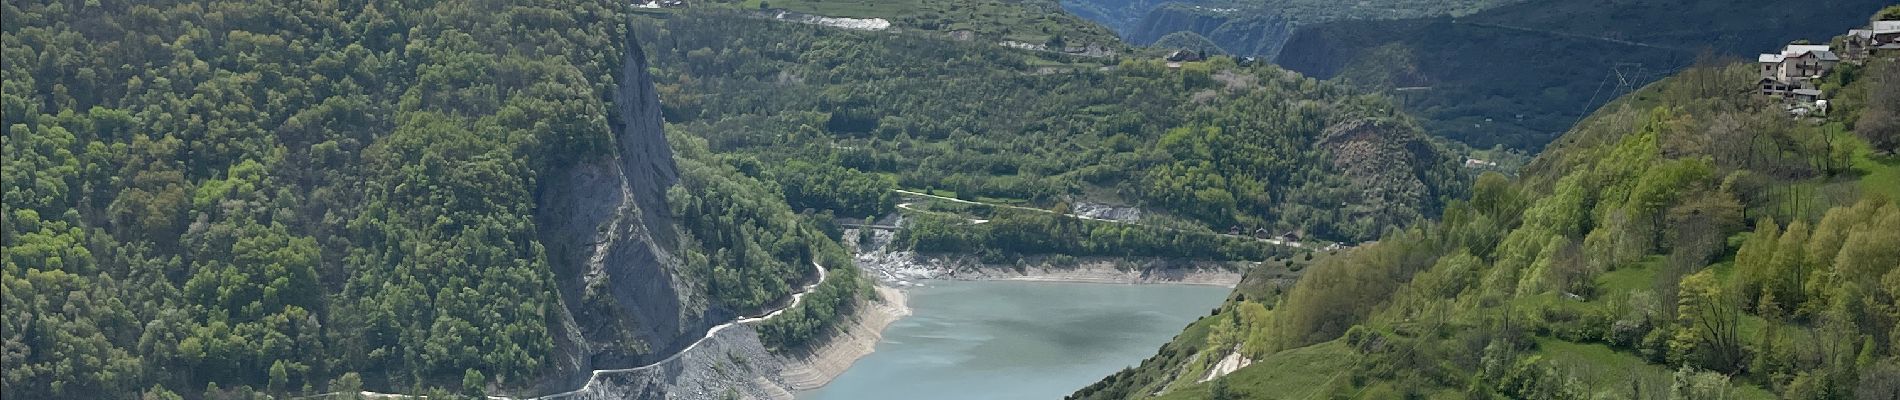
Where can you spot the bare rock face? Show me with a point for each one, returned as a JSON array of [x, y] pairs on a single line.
[[607, 233], [645, 159]]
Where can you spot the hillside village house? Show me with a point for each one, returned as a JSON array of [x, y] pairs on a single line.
[[1881, 37], [1794, 68]]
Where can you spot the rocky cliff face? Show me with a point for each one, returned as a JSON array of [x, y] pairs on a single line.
[[605, 226]]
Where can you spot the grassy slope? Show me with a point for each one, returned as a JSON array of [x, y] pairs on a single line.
[[1609, 371], [1605, 369], [1881, 174], [1314, 370], [1293, 374]]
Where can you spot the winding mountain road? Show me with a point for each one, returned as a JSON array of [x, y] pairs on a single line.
[[957, 200], [595, 377], [911, 207]]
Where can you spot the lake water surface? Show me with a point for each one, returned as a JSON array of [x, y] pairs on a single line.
[[1017, 340]]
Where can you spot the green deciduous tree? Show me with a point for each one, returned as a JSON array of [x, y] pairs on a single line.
[[1708, 319], [1879, 123]]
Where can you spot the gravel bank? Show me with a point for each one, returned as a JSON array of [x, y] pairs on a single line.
[[733, 363], [815, 369]]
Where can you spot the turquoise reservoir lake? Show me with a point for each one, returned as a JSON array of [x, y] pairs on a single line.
[[1017, 340]]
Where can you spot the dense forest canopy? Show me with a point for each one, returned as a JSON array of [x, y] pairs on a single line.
[[224, 198]]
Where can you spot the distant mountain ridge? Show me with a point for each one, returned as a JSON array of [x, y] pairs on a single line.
[[1237, 32], [1251, 27]]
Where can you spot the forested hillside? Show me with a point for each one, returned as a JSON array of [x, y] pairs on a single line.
[[1210, 144], [1520, 75], [1689, 241], [229, 199]]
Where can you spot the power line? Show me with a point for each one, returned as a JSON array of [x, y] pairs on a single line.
[[1629, 78], [1587, 105]]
